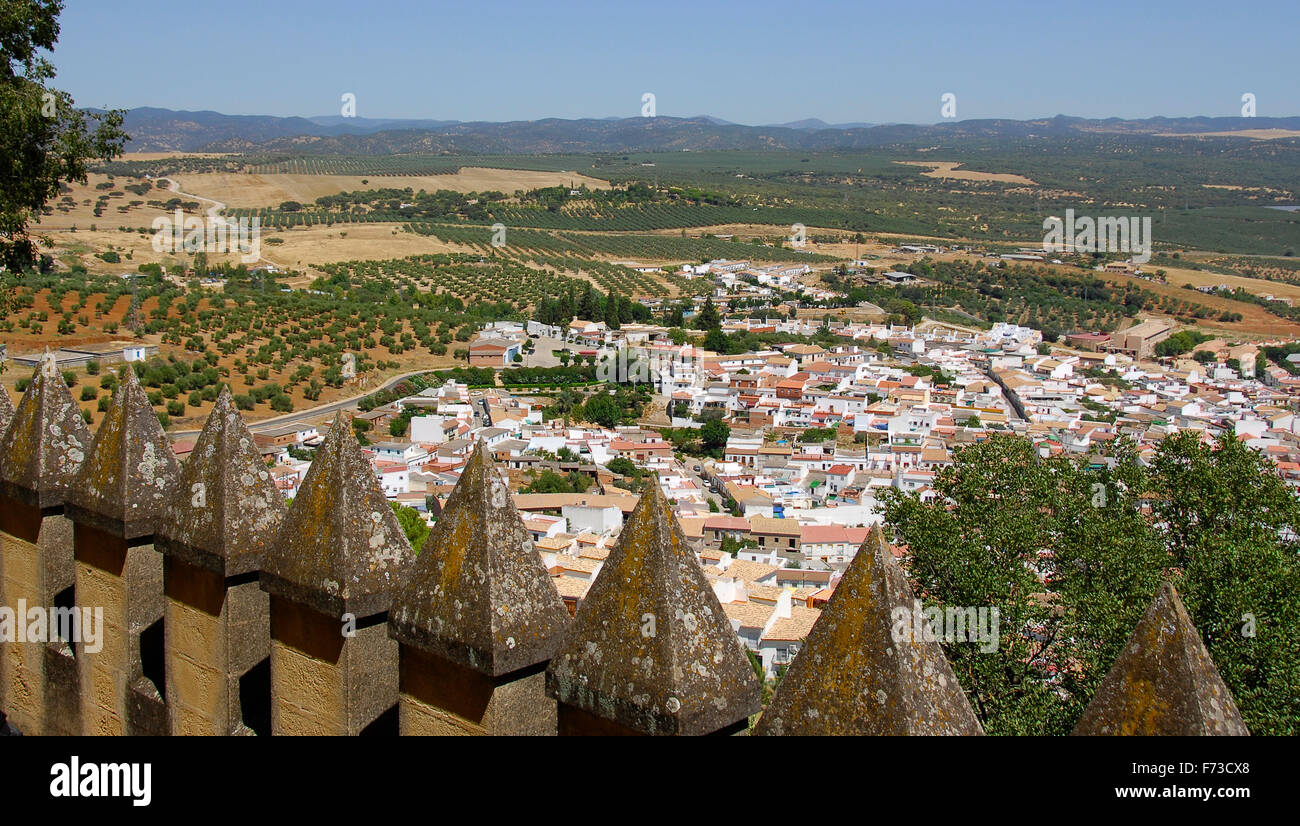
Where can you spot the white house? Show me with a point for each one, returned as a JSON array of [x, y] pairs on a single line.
[[593, 519], [411, 455]]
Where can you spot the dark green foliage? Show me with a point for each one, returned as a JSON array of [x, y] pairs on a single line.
[[44, 139], [413, 525], [1222, 529]]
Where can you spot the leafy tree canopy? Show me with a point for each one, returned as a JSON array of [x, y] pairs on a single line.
[[44, 139], [1071, 555]]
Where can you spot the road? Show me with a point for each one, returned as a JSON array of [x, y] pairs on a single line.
[[311, 413], [688, 470], [214, 213]]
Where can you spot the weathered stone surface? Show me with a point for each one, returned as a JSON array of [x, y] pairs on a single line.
[[439, 697], [36, 566], [1164, 682], [105, 566], [226, 511], [340, 549], [853, 677], [6, 410], [479, 594], [651, 649], [131, 471], [46, 443], [323, 683]]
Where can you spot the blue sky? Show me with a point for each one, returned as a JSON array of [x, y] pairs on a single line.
[[751, 62]]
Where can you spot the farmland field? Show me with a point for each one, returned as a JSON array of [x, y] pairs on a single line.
[[391, 257], [268, 189], [280, 349]]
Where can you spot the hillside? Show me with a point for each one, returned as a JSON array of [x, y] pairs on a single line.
[[163, 130]]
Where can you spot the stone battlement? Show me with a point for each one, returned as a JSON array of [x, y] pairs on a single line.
[[222, 610]]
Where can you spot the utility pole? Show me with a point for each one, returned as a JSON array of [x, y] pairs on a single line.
[[133, 314]]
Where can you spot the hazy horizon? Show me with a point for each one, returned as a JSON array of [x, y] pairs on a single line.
[[829, 124]]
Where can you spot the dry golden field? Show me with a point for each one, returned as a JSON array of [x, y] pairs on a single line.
[[1257, 134], [118, 212], [162, 156], [1197, 278], [307, 246], [948, 169], [237, 189]]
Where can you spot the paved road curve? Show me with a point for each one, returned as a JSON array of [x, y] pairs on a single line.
[[314, 412]]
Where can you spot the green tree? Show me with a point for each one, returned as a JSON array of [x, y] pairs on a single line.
[[612, 311], [568, 403], [708, 318], [602, 409], [413, 525], [578, 482], [623, 466], [590, 306], [44, 139], [716, 340], [548, 481], [1230, 526], [714, 435], [1007, 507], [1064, 550]]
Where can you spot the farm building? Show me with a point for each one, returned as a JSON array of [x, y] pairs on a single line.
[[1140, 340], [107, 353], [492, 352]]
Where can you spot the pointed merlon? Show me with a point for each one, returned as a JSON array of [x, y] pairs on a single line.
[[226, 512], [1164, 682], [862, 671], [479, 594], [340, 549], [46, 443], [651, 649], [131, 471]]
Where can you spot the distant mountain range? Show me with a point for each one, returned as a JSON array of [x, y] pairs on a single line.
[[165, 130], [806, 123]]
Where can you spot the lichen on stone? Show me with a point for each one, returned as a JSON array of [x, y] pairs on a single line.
[[1164, 682], [131, 470], [479, 594], [6, 410], [46, 442], [852, 677], [651, 649], [340, 548], [226, 511]]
